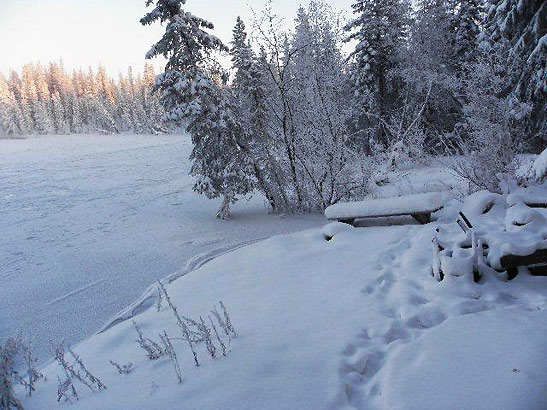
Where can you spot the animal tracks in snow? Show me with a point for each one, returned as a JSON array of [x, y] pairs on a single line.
[[409, 302]]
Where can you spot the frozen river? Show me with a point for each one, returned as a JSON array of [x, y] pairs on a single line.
[[87, 223]]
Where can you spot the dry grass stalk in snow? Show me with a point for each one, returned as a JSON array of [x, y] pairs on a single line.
[[224, 321], [87, 378], [153, 350], [222, 345], [66, 389], [181, 324], [170, 351], [123, 368], [159, 300], [32, 373]]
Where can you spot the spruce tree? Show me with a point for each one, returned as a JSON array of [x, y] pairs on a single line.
[[42, 118], [8, 126], [380, 29], [249, 93], [466, 26], [430, 72], [193, 91], [59, 118], [521, 26], [187, 46]]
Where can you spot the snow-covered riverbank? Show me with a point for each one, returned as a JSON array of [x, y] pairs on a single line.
[[356, 322]]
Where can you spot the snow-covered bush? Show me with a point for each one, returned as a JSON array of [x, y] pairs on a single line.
[[8, 375], [492, 127], [14, 353]]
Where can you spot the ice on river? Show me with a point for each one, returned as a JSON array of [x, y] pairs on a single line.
[[88, 222]]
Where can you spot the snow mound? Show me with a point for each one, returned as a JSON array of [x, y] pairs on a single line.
[[489, 360], [481, 203], [334, 228], [540, 166]]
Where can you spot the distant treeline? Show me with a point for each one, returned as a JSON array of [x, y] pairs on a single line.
[[48, 100]]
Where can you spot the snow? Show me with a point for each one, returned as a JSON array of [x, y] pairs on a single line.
[[356, 322], [487, 352], [540, 165], [436, 177], [334, 228], [532, 167], [408, 204], [89, 222], [504, 223]]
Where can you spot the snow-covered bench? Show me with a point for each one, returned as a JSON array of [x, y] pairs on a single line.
[[419, 206], [536, 201], [536, 263]]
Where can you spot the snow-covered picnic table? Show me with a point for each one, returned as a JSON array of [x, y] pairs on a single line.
[[511, 229], [419, 206]]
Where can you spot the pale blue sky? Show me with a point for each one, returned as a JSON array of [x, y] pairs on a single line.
[[89, 32]]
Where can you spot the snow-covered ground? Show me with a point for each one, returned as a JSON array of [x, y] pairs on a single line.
[[88, 222], [328, 318], [356, 322]]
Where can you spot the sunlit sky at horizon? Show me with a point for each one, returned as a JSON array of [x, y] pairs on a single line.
[[87, 33]]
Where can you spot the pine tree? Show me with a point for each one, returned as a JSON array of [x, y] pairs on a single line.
[[430, 73], [50, 101], [8, 125], [380, 29], [59, 118], [467, 17], [249, 93], [105, 86], [432, 36], [192, 88], [242, 56], [188, 46], [42, 118], [521, 26], [76, 125], [152, 106]]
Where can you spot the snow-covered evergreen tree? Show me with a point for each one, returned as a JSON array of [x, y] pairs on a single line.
[[51, 101], [254, 140], [42, 118], [466, 22], [521, 26], [431, 85], [432, 36], [192, 89], [8, 124], [76, 124], [59, 117], [188, 48], [380, 29]]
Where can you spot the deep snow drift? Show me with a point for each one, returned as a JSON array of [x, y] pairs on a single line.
[[88, 222]]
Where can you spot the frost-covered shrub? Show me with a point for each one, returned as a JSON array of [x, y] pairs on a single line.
[[492, 127], [8, 374]]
